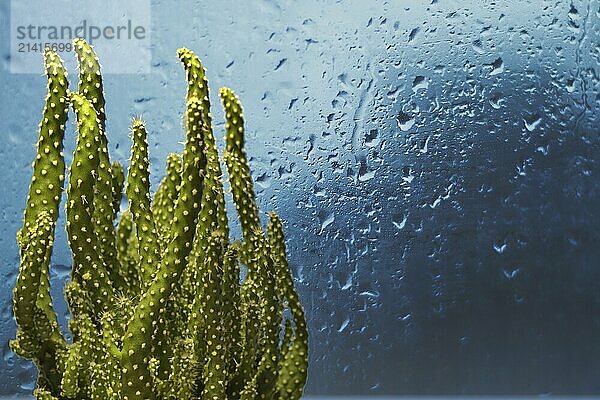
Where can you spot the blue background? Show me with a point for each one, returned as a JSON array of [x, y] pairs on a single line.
[[436, 164]]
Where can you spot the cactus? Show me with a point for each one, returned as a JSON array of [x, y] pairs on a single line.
[[158, 307]]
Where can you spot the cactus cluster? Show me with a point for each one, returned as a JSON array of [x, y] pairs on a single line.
[[163, 304]]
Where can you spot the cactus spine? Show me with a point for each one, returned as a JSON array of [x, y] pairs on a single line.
[[158, 309]]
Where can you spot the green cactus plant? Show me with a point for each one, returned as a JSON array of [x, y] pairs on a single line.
[[158, 307]]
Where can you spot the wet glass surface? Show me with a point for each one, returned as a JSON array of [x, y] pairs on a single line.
[[436, 164]]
